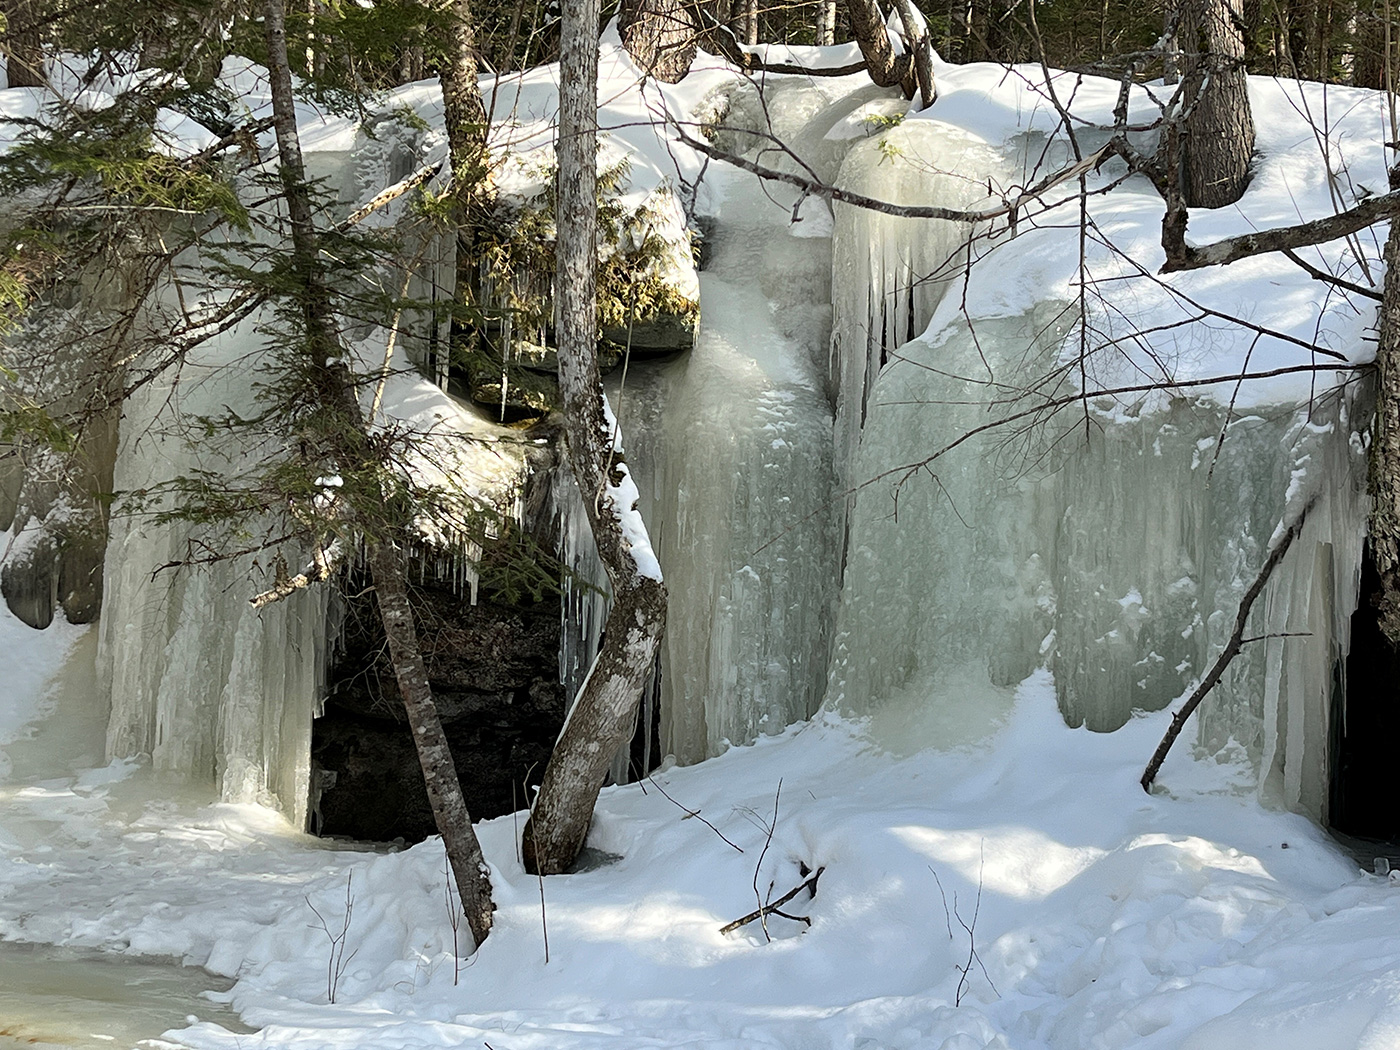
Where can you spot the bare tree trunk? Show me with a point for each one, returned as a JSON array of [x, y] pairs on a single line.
[[1385, 443], [24, 55], [660, 35], [1218, 133], [464, 116], [463, 112], [826, 23], [886, 68], [603, 715], [1171, 52], [342, 427], [744, 21], [916, 34], [1368, 44], [449, 806]]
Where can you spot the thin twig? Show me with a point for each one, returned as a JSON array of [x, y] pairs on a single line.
[[692, 813]]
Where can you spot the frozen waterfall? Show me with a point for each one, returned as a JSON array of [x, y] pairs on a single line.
[[212, 690], [815, 554]]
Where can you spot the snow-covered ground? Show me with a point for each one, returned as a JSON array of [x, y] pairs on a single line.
[[1099, 916]]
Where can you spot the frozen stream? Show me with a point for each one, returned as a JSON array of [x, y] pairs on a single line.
[[74, 998]]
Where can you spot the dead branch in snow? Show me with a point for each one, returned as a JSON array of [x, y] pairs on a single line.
[[1232, 647], [809, 884]]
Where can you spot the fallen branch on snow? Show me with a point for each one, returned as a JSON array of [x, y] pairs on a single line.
[[809, 884]]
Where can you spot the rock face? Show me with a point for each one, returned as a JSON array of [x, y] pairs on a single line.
[[494, 671]]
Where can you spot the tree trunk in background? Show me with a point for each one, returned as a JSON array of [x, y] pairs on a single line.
[[1218, 133], [660, 35], [464, 116], [1385, 439], [24, 55], [341, 428], [826, 23], [604, 713], [743, 20], [1368, 44]]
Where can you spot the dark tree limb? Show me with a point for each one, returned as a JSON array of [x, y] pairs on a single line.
[[826, 191], [809, 884], [1232, 647], [1183, 256], [720, 39], [1331, 278]]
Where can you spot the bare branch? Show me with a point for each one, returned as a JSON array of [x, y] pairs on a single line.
[[1330, 278], [388, 194], [318, 572], [1232, 647], [908, 211], [1183, 256]]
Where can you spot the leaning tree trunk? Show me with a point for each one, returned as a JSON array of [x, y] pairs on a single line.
[[660, 35], [1218, 131], [342, 429], [1385, 440], [449, 806], [886, 68], [603, 715]]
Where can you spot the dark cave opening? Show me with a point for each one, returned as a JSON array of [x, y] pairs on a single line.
[[1365, 728], [494, 671]]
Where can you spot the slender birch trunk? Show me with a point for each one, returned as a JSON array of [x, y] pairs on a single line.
[[342, 427], [826, 23], [605, 710]]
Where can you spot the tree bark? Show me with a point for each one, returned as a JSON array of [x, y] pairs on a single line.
[[1218, 131], [342, 428], [886, 68], [916, 33], [605, 710], [464, 116], [660, 35], [449, 806], [24, 54], [744, 21], [825, 34], [1385, 439]]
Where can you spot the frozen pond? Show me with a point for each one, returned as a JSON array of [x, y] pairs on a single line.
[[79, 999]]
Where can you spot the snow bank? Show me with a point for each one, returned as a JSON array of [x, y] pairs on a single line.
[[1100, 917]]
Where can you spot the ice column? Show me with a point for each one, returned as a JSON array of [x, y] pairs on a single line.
[[889, 273], [214, 691]]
